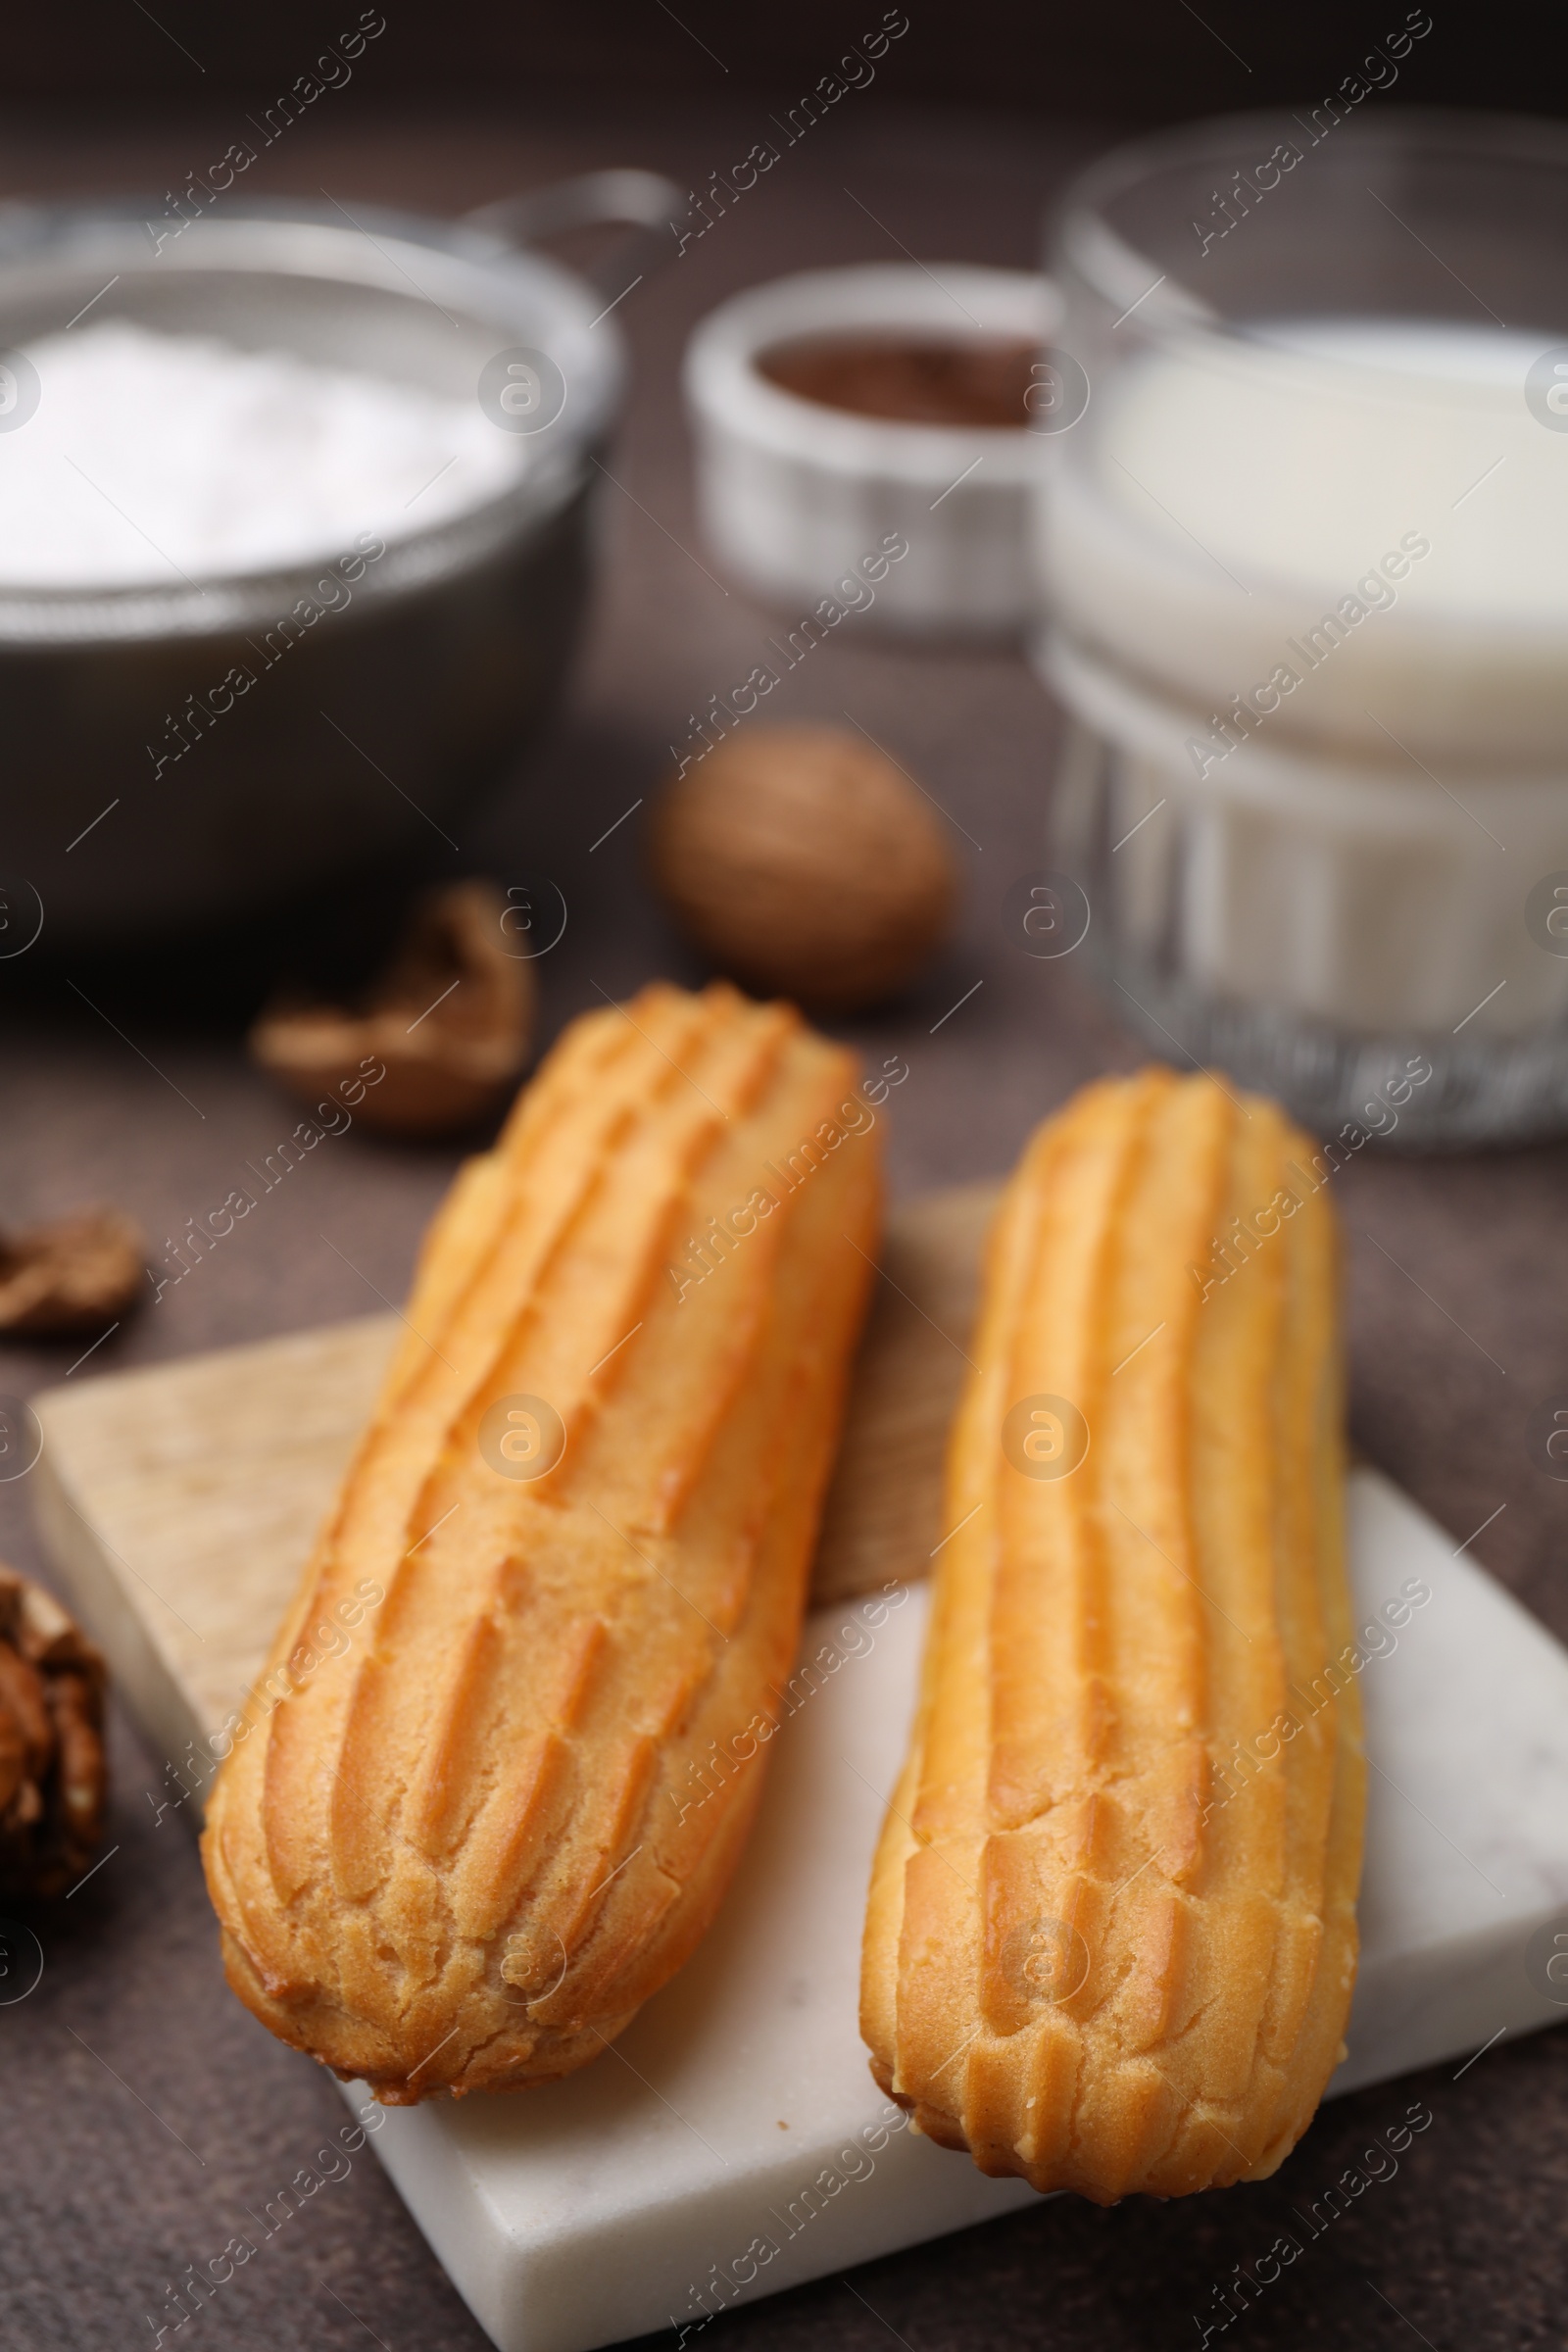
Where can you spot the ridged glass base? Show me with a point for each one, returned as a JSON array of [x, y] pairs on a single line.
[[1142, 854], [1492, 1092]]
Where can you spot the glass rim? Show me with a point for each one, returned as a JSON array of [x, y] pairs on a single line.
[[1082, 238]]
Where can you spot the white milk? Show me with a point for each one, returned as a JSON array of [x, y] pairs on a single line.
[[1316, 592]]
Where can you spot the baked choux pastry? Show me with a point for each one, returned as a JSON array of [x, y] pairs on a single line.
[[1112, 1935], [457, 1847]]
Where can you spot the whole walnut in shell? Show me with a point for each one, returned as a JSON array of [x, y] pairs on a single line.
[[805, 863], [53, 1775]]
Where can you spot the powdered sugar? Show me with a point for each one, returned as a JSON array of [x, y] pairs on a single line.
[[152, 456]]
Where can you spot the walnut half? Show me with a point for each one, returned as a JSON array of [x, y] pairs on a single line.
[[449, 1021], [70, 1275], [53, 1769]]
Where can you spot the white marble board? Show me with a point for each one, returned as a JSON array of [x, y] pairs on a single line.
[[738, 2113]]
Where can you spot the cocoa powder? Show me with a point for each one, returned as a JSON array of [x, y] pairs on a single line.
[[911, 379]]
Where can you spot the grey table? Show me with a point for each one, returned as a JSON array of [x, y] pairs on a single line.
[[144, 2113]]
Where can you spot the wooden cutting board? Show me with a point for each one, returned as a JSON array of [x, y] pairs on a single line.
[[181, 1501]]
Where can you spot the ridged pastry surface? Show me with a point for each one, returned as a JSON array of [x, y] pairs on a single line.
[[456, 1845], [1111, 1941]]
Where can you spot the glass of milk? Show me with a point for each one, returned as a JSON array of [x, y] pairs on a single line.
[[1305, 555]]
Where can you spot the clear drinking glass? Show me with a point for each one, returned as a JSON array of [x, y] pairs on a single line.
[[1305, 558]]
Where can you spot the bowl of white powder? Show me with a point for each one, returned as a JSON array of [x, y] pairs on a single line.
[[293, 538]]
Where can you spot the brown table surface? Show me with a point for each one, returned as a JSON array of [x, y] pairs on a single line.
[[142, 2111]]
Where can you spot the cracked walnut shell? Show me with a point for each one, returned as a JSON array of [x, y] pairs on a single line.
[[53, 1769], [450, 1021]]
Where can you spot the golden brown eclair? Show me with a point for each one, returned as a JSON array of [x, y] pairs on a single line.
[[461, 1853], [1112, 1940]]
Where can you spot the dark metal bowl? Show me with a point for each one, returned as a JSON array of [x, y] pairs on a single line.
[[190, 750]]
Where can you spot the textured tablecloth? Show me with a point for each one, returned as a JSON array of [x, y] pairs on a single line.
[[144, 2114]]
